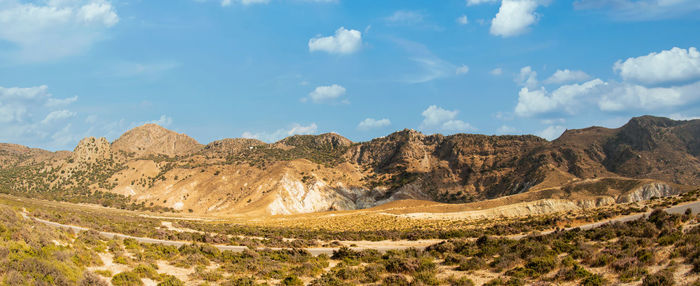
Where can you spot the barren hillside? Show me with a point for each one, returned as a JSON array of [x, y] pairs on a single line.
[[152, 167]]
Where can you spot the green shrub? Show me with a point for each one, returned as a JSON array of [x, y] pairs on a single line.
[[170, 280], [593, 280], [372, 273], [473, 263], [463, 281], [127, 279], [292, 281], [661, 278], [395, 280], [91, 279], [541, 265]]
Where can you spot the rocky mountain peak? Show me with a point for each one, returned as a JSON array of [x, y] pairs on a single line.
[[322, 141], [152, 139], [91, 149], [232, 145]]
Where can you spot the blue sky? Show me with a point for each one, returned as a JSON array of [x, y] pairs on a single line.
[[269, 69]]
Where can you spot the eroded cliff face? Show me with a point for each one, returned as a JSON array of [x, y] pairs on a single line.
[[457, 168], [648, 191]]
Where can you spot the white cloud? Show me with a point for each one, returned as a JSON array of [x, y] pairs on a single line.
[[627, 96], [641, 89], [527, 77], [343, 42], [57, 116], [672, 65], [132, 69], [477, 2], [564, 76], [433, 68], [164, 121], [505, 129], [566, 98], [404, 17], [32, 116], [496, 71], [435, 117], [552, 132], [430, 66], [90, 119], [463, 20], [226, 3], [679, 116], [54, 102], [371, 123], [462, 69], [326, 93], [640, 10], [249, 2], [50, 30], [457, 125], [98, 12], [514, 17], [275, 136]]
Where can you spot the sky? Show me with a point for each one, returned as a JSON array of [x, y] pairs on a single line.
[[268, 69]]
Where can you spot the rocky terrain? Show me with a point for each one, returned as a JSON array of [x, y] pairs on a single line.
[[152, 167]]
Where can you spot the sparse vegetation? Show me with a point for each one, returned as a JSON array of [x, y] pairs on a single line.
[[619, 252]]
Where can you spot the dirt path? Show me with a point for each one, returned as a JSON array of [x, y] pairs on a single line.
[[381, 246]]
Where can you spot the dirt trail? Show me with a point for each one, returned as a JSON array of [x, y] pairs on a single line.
[[381, 246]]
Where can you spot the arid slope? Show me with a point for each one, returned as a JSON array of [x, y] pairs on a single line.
[[158, 168]]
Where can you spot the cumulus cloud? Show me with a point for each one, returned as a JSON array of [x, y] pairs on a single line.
[[514, 17], [496, 71], [328, 93], [505, 129], [371, 123], [627, 96], [462, 69], [435, 117], [566, 98], [642, 88], [343, 42], [463, 20], [679, 116], [564, 76], [672, 65], [50, 30], [32, 116], [457, 125], [552, 132], [294, 129], [527, 77]]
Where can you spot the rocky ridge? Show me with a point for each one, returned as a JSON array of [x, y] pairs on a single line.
[[648, 157]]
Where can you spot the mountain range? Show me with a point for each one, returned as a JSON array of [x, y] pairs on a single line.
[[152, 167]]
